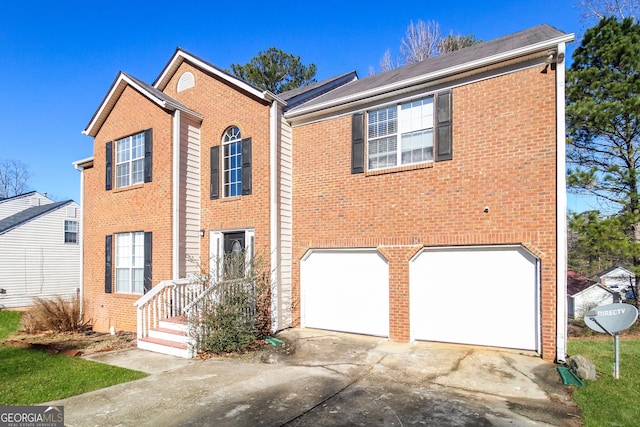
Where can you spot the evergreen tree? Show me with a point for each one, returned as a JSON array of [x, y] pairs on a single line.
[[603, 124], [276, 71]]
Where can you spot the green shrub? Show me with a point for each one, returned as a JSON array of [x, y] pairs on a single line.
[[236, 313]]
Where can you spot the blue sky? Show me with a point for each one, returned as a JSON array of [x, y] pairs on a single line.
[[58, 59]]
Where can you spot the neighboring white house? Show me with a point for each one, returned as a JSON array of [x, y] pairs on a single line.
[[617, 279], [39, 249], [588, 298], [13, 205]]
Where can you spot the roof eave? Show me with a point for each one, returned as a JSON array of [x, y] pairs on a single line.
[[365, 96], [116, 90], [181, 55]]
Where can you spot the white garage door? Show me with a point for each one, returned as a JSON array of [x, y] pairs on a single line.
[[345, 290], [480, 295]]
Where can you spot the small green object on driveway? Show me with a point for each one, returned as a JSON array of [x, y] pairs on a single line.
[[274, 341]]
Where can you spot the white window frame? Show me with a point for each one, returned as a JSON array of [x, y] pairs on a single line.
[[390, 129], [232, 162], [129, 262], [68, 232], [130, 160]]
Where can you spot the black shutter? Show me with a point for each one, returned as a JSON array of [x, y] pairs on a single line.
[[109, 167], [246, 166], [357, 143], [107, 263], [444, 129], [147, 261], [214, 185], [148, 154]]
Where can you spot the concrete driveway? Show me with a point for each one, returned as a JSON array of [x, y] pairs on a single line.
[[332, 379]]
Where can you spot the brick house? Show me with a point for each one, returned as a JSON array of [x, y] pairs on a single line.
[[425, 203]]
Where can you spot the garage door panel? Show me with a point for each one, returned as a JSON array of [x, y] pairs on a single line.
[[345, 290], [481, 296]]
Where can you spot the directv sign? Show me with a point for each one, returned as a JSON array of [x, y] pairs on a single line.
[[611, 318]]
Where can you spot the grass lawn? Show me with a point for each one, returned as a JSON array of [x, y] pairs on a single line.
[[606, 401], [33, 376]]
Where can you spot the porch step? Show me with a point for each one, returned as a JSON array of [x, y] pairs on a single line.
[[170, 337], [159, 345], [169, 334], [175, 323]]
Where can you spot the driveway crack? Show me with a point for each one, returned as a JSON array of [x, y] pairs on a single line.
[[331, 396]]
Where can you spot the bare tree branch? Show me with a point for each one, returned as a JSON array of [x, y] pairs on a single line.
[[14, 178], [421, 41]]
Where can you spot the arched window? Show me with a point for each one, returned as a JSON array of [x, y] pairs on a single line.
[[232, 162]]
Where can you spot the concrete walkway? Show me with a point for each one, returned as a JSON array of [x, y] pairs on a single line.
[[325, 378]]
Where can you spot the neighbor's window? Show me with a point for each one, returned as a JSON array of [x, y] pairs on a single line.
[[232, 162], [70, 231], [130, 262], [400, 134], [130, 160]]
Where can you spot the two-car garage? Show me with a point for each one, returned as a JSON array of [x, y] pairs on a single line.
[[481, 295]]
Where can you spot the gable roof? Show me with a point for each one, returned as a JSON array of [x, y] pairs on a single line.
[[117, 87], [612, 269], [16, 220], [182, 55], [17, 196], [576, 282], [537, 41], [598, 286]]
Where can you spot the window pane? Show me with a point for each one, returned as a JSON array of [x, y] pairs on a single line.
[[416, 115], [138, 250], [123, 150], [122, 280], [232, 164], [137, 146], [417, 147], [138, 280], [137, 175]]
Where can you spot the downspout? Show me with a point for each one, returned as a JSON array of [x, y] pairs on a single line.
[[561, 209], [81, 238], [175, 257], [274, 232]]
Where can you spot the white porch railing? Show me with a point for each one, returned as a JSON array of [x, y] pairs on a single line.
[[165, 300]]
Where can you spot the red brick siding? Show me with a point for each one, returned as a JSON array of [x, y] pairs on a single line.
[[223, 105], [503, 158], [142, 207]]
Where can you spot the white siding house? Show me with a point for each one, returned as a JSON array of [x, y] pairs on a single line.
[[588, 298], [617, 279], [15, 204], [39, 252]]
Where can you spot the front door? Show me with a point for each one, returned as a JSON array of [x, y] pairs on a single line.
[[234, 254]]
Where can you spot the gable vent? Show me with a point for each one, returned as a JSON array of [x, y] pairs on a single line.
[[186, 81], [35, 201]]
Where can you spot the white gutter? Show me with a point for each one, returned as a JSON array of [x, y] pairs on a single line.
[[175, 257], [363, 96], [274, 217], [561, 208]]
